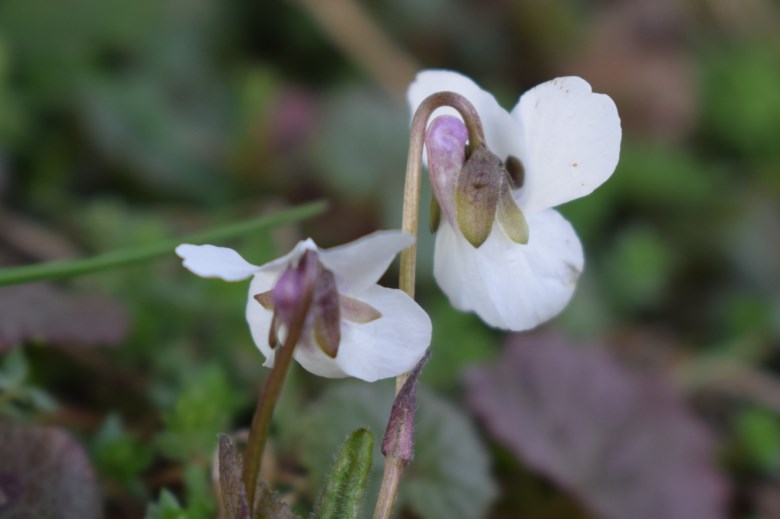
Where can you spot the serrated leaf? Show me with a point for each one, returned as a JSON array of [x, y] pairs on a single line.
[[45, 473], [343, 494], [625, 446], [449, 476]]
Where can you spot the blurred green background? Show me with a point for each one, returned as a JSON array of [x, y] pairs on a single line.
[[126, 122]]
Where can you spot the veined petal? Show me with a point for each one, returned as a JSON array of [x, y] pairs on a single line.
[[572, 142], [359, 264], [209, 261], [503, 134], [388, 346], [511, 286]]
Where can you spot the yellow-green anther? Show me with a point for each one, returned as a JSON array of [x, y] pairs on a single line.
[[477, 191], [511, 218]]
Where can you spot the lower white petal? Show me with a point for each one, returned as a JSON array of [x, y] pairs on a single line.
[[511, 286], [209, 261], [382, 348], [388, 346]]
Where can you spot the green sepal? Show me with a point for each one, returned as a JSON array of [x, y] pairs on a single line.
[[345, 488], [435, 216], [511, 218]]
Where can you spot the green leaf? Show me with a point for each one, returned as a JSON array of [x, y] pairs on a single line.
[[343, 494], [758, 432], [121, 258], [201, 411], [167, 507], [117, 454], [449, 476]]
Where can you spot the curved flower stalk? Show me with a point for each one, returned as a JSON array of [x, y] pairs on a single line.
[[501, 250], [354, 326]]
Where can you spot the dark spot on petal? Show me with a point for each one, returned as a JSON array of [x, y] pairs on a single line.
[[516, 171], [574, 164]]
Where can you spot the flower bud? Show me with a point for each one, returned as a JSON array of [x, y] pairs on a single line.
[[290, 288], [399, 435], [477, 191], [445, 144]]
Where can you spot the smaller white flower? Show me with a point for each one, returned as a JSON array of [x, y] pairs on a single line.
[[378, 332], [501, 250]]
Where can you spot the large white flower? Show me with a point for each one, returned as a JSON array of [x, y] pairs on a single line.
[[383, 332], [560, 142]]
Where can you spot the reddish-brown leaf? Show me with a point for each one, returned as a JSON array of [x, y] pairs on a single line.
[[42, 312], [624, 445], [44, 473]]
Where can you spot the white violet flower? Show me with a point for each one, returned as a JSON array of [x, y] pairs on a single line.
[[354, 327], [560, 142]]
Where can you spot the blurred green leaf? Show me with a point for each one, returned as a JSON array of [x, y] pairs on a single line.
[[201, 503], [458, 342], [449, 476], [18, 393], [167, 507], [758, 433], [742, 98], [342, 496], [117, 454], [638, 269], [203, 408]]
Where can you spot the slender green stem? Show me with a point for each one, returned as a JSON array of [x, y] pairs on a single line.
[[121, 258], [394, 466], [266, 403]]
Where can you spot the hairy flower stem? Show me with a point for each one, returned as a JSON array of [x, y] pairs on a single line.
[[394, 466], [261, 421]]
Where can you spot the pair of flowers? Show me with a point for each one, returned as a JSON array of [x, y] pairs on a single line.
[[501, 250]]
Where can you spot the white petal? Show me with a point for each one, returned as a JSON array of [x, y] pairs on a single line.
[[383, 348], [258, 318], [572, 142], [511, 286], [503, 134], [209, 261], [280, 264], [359, 264], [388, 346]]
